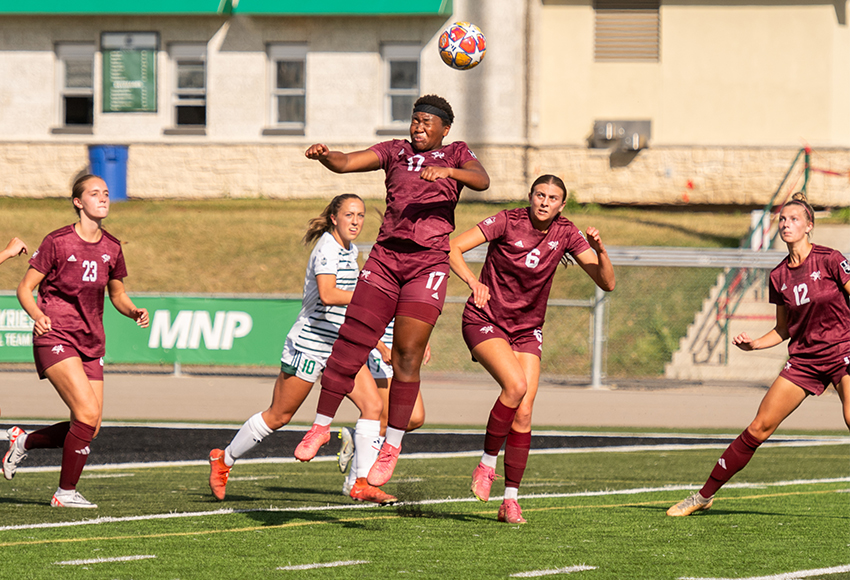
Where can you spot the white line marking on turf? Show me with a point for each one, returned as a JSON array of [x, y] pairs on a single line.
[[254, 477], [557, 451], [325, 565], [107, 475], [536, 573], [326, 508], [786, 576], [102, 560]]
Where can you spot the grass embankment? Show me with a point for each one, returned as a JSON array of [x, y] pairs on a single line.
[[254, 246]]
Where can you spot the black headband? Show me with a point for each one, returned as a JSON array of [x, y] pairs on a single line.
[[432, 110]]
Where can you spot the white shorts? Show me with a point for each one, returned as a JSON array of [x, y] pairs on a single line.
[[295, 362], [377, 366]]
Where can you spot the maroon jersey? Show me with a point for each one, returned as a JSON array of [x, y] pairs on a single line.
[[520, 266], [814, 300], [75, 276], [417, 210]]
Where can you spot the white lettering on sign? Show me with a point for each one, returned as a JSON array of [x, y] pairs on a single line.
[[191, 326]]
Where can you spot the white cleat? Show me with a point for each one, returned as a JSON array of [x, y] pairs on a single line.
[[70, 499], [16, 453]]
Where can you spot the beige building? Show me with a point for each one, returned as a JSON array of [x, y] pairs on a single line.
[[630, 101]]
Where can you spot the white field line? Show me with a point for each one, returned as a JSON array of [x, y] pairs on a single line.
[[537, 573], [816, 442], [102, 560], [254, 477], [325, 565], [786, 576], [107, 475], [449, 500]]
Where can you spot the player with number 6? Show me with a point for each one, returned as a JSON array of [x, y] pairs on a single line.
[[73, 268], [810, 289], [503, 319], [406, 273]]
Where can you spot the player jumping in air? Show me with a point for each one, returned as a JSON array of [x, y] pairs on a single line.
[[406, 274], [328, 286], [810, 289], [503, 319]]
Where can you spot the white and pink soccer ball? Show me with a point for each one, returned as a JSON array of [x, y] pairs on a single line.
[[462, 45]]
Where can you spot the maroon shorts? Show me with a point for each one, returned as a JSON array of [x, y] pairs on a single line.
[[408, 273], [477, 327], [815, 375], [47, 356]]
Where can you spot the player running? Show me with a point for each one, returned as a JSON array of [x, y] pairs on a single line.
[[503, 319], [405, 275], [328, 286], [810, 289], [72, 269]]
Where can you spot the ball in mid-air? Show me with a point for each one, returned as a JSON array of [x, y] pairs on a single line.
[[462, 45]]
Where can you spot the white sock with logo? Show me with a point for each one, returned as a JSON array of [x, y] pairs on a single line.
[[252, 432], [366, 434]]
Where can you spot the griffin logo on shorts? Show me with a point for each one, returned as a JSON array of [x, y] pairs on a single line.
[[487, 329], [788, 365], [365, 274], [58, 349]]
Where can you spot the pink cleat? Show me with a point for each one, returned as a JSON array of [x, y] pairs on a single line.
[[510, 512], [382, 469], [482, 480], [317, 436]]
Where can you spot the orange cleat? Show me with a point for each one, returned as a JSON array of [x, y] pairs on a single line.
[[218, 473], [362, 491]]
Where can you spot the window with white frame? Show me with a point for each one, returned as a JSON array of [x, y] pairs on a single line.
[[288, 70], [75, 74], [401, 66], [189, 93]]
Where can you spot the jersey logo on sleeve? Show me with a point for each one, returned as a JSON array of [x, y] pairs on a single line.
[[471, 153], [845, 266], [34, 254], [815, 276], [490, 220], [73, 258]]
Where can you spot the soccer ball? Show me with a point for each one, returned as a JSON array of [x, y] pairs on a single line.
[[462, 46]]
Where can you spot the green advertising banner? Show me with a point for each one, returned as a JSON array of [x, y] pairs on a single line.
[[188, 330], [129, 71]]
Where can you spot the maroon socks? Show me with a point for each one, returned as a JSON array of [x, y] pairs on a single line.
[[402, 399], [516, 457], [498, 427], [75, 452], [49, 437], [733, 460]]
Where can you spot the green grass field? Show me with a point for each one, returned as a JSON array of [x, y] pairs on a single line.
[[595, 515]]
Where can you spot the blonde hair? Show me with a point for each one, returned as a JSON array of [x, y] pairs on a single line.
[[799, 198], [323, 223]]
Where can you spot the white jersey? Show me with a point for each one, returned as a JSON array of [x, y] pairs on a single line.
[[318, 325]]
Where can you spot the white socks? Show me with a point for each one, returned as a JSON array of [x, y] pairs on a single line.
[[367, 443], [489, 460], [511, 492], [323, 420], [394, 436], [249, 435]]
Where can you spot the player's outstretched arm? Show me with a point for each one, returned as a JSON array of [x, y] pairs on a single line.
[[596, 263], [339, 162], [775, 336], [463, 243], [123, 304], [15, 247]]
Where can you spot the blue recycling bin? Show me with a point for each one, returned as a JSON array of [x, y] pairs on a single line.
[[110, 163]]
